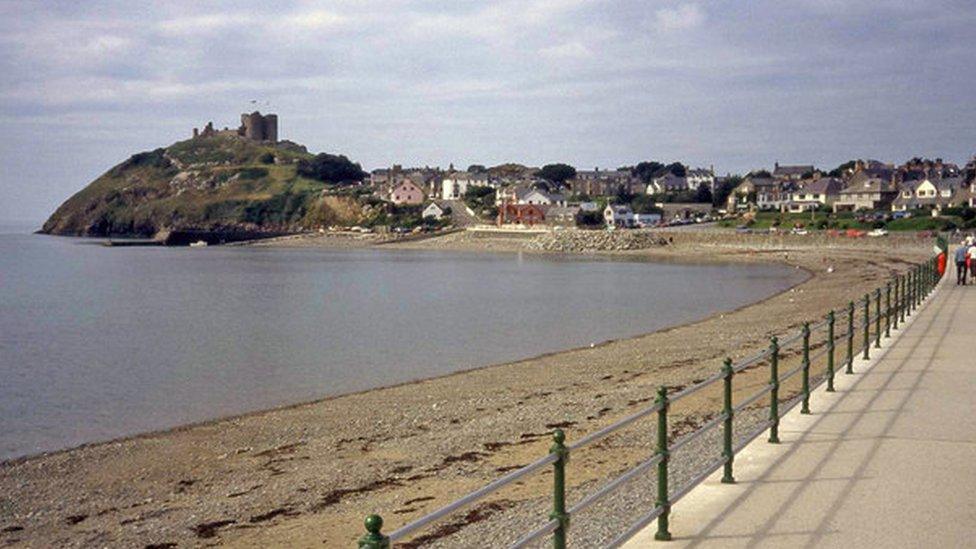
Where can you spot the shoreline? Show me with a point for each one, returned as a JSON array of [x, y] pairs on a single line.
[[545, 355], [305, 474]]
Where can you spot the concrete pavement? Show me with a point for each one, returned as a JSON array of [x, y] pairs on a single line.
[[888, 460]]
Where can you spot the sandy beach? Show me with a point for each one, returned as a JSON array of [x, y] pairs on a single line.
[[306, 475]]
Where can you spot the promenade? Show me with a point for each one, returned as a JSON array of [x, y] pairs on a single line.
[[888, 460]]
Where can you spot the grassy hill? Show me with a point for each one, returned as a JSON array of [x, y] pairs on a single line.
[[210, 183]]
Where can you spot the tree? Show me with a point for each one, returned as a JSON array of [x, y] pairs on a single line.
[[759, 173], [839, 170], [557, 173], [721, 195], [477, 168], [647, 170], [678, 169], [703, 194], [330, 168]]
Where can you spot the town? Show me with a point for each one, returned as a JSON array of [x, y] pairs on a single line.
[[859, 193]]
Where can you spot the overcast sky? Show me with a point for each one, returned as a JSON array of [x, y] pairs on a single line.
[[737, 84]]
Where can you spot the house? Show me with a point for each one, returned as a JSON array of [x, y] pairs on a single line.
[[700, 176], [599, 182], [865, 194], [618, 215], [564, 216], [407, 192], [667, 183], [455, 185], [521, 214], [940, 193], [646, 219], [765, 193], [435, 210], [539, 197], [794, 173], [814, 194]]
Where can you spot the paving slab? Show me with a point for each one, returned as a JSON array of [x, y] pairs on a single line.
[[888, 460]]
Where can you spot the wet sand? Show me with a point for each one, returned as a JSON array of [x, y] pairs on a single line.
[[307, 474]]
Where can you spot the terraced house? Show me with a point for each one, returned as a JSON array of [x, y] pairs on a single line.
[[931, 194], [814, 194]]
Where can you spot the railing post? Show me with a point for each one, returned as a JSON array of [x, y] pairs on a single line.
[[894, 312], [727, 453], [867, 327], [559, 489], [877, 318], [662, 533], [830, 351], [850, 337], [918, 287], [901, 304], [373, 538], [887, 309], [911, 291], [805, 365], [774, 390]]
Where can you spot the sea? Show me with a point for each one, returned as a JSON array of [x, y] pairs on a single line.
[[103, 342]]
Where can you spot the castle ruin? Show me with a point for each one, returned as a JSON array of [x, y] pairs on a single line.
[[254, 126]]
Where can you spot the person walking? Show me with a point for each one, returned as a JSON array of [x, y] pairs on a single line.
[[961, 253], [971, 259]]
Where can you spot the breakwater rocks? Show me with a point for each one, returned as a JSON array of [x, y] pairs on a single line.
[[598, 241]]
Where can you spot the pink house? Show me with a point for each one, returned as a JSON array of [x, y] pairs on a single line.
[[407, 192]]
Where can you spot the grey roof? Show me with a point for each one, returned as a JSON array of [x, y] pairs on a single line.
[[824, 185], [792, 170]]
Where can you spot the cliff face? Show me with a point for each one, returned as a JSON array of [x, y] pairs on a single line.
[[209, 183]]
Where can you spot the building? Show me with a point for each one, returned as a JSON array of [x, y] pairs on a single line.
[[794, 173], [564, 216], [866, 194], [407, 193], [618, 215], [934, 195], [814, 194], [667, 183], [521, 214], [258, 127], [700, 176], [539, 197], [646, 219], [599, 182], [455, 185], [435, 210]]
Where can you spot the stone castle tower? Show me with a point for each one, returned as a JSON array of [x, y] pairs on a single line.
[[259, 127], [254, 126]]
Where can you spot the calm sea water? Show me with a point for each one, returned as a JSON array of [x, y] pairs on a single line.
[[97, 343]]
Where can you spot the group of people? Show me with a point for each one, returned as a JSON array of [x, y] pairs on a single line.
[[966, 260]]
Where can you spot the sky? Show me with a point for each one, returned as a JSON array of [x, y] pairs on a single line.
[[734, 84]]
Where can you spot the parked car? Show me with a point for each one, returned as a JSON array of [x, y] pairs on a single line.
[[743, 229], [878, 232], [799, 231]]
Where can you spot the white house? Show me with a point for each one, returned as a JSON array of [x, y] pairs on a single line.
[[700, 176], [646, 220], [455, 185], [539, 198], [667, 183], [618, 215], [434, 210]]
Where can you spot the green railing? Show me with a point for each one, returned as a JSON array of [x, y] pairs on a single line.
[[903, 295]]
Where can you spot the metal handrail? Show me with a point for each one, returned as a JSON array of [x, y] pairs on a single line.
[[610, 486], [472, 497], [695, 387], [922, 281], [597, 435]]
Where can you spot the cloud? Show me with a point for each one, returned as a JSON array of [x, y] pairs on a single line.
[[683, 17], [417, 81], [568, 50]]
